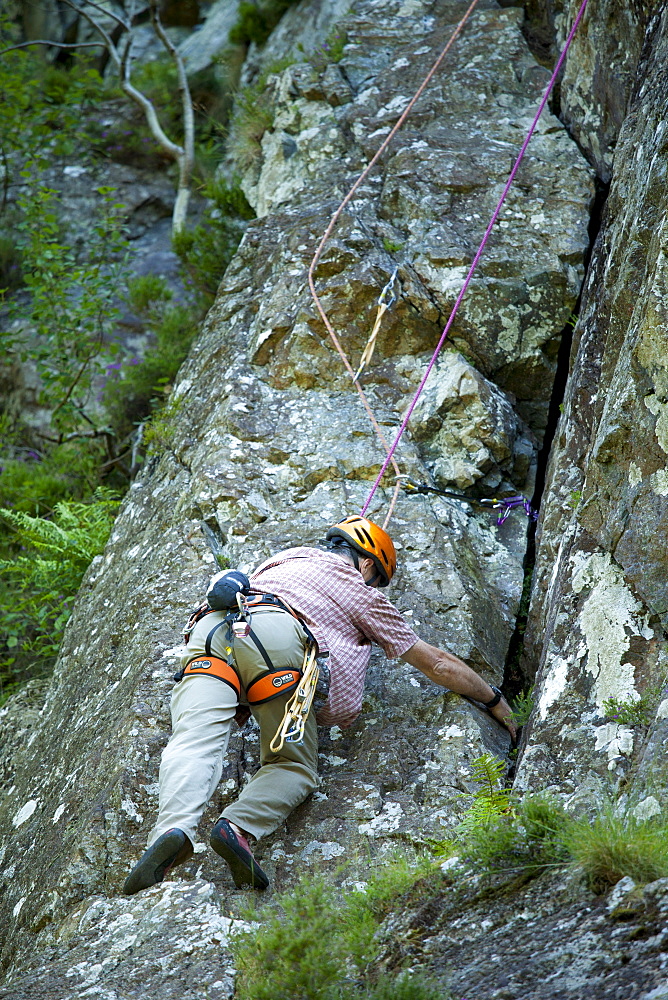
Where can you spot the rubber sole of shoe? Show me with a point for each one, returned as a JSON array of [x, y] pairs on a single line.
[[245, 870], [155, 862]]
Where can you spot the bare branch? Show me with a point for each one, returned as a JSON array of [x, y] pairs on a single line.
[[136, 445], [111, 48], [128, 88], [56, 45], [121, 56], [103, 432], [102, 10], [186, 162]]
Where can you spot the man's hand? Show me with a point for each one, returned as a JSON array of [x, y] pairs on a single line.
[[451, 672], [503, 713]]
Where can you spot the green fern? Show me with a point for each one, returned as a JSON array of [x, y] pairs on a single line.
[[38, 586], [523, 706], [491, 800], [64, 545]]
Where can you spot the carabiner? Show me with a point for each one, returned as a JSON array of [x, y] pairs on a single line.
[[383, 299]]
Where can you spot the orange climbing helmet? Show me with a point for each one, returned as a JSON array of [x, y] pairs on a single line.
[[368, 539]]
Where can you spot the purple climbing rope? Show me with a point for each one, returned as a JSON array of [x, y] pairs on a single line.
[[477, 257]]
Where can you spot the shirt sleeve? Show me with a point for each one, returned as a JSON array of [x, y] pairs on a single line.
[[383, 624]]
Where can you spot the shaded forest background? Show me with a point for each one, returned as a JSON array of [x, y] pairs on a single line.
[[90, 342]]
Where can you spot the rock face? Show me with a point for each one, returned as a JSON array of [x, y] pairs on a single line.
[[601, 73], [600, 601], [268, 445], [562, 943]]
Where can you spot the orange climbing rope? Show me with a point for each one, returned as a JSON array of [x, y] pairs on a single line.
[[328, 232]]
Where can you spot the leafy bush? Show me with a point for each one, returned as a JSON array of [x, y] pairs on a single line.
[[136, 386], [256, 21], [207, 249], [71, 312], [35, 481], [11, 275], [310, 945], [39, 583], [612, 846], [147, 291], [44, 108]]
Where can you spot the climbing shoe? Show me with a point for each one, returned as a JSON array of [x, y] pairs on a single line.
[[233, 848], [169, 850]]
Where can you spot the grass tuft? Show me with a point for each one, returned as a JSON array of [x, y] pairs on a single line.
[[253, 115], [612, 847]]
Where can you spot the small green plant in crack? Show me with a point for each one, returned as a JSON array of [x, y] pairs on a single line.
[[491, 799], [527, 838], [160, 429], [392, 246], [331, 51], [522, 706], [639, 711], [574, 499], [502, 832]]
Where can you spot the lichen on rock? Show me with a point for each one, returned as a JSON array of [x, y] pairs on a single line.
[[269, 446]]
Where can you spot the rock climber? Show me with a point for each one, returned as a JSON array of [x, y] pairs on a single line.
[[329, 596]]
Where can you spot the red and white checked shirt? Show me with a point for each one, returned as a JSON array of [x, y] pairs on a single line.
[[344, 615]]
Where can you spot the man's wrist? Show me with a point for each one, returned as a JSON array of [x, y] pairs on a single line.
[[496, 699]]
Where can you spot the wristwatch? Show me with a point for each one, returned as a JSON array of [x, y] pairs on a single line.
[[495, 700]]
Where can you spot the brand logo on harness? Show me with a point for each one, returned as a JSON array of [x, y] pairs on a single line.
[[202, 664], [280, 681]]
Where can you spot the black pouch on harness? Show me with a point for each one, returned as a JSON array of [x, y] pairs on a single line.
[[224, 588]]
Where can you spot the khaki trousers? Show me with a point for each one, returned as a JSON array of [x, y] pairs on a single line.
[[202, 711]]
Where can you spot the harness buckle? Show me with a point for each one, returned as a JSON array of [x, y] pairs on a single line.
[[241, 625]]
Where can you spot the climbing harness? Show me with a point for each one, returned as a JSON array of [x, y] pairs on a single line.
[[386, 300], [478, 255], [273, 682], [390, 450], [504, 504]]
